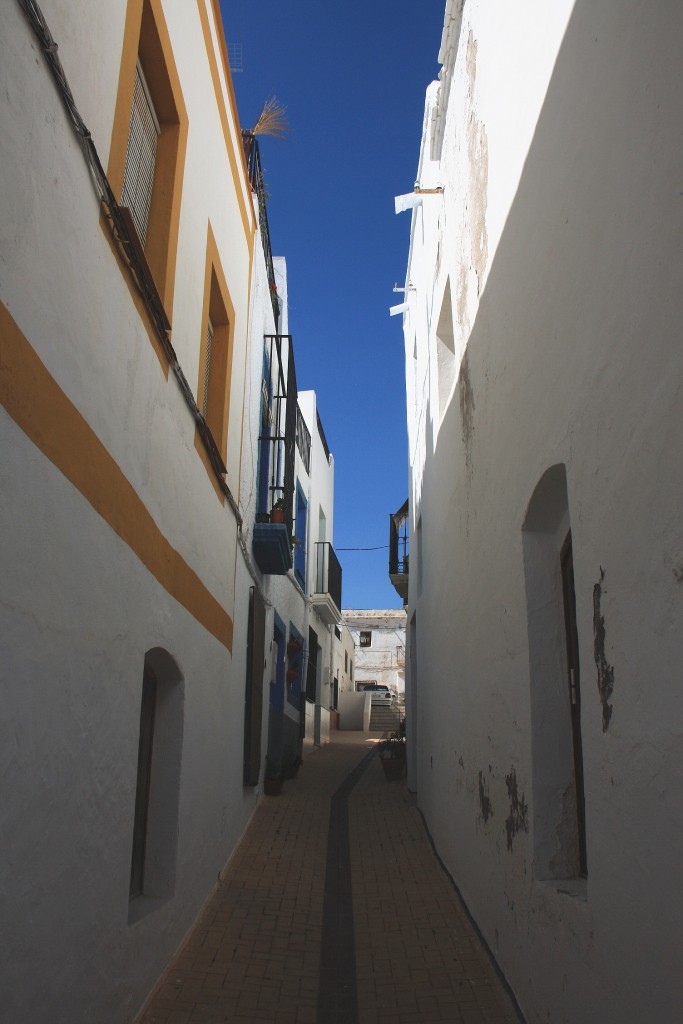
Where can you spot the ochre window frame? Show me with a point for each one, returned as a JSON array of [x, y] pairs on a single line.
[[146, 38], [217, 306]]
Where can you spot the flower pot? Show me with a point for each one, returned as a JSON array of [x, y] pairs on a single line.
[[272, 787], [277, 515]]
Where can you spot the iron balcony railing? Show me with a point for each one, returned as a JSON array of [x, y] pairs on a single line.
[[328, 575], [398, 541], [321, 434], [278, 433], [253, 158]]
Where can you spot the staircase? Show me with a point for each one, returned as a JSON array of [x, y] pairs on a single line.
[[383, 717]]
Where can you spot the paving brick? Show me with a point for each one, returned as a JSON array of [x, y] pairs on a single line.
[[255, 952]]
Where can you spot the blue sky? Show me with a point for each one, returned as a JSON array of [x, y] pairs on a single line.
[[352, 77]]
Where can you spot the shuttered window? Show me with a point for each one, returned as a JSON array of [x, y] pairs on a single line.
[[207, 366], [253, 693], [138, 178], [147, 715]]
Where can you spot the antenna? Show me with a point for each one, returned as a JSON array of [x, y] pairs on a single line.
[[235, 57]]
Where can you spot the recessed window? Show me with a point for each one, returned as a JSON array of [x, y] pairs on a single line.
[[366, 638], [149, 138], [559, 820], [253, 696], [207, 366], [445, 349], [138, 178], [215, 352], [312, 672], [300, 535], [145, 740], [157, 789]]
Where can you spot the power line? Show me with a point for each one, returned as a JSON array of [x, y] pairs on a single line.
[[380, 547]]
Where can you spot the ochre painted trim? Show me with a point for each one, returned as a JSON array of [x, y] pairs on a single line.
[[138, 301], [247, 365], [225, 60], [40, 408], [218, 304], [170, 170], [124, 97], [200, 448], [162, 244], [239, 181]]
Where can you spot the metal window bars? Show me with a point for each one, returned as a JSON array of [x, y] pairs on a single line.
[[398, 541], [277, 444], [138, 176], [207, 367], [303, 440], [253, 158]]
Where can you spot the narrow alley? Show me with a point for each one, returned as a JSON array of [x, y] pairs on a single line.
[[334, 908], [340, 396]]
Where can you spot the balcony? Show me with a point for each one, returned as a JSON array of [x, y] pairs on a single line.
[[398, 551], [253, 157], [272, 548], [273, 535], [327, 596]]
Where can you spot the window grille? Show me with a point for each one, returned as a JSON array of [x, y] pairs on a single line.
[[207, 366], [138, 177], [303, 440]]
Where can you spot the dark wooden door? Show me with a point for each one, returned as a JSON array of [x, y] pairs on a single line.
[[572, 640]]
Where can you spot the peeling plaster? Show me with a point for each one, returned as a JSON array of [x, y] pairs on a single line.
[[605, 670], [467, 407], [565, 862], [518, 818], [484, 799], [461, 297], [478, 159]]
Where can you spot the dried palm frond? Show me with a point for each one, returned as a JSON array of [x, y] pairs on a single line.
[[272, 120]]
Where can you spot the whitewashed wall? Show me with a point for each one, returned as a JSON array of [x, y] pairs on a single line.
[[320, 500], [557, 237], [343, 659], [79, 608]]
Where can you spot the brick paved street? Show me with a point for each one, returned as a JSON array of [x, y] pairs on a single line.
[[287, 940]]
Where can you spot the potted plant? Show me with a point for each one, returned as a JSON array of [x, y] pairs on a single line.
[[293, 646], [277, 513], [392, 754]]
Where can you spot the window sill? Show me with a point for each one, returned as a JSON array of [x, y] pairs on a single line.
[[143, 906], [574, 888], [118, 246]]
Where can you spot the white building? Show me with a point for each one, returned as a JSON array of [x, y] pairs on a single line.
[[137, 295], [542, 318], [379, 639], [345, 652]]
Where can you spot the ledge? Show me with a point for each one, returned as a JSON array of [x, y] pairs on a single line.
[[575, 888], [272, 548]]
